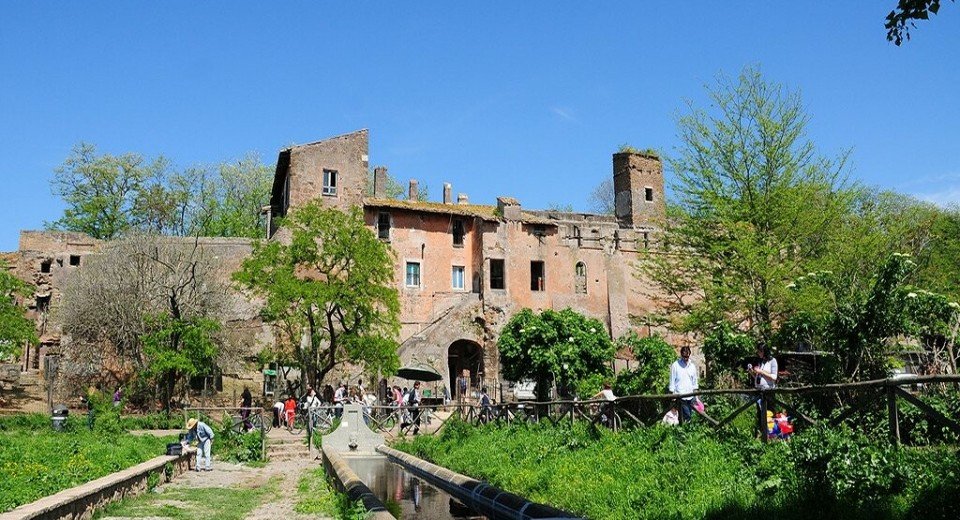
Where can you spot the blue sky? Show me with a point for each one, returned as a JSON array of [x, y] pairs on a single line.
[[527, 99]]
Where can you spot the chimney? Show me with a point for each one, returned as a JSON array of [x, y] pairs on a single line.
[[509, 208], [462, 198], [447, 193], [412, 192], [380, 182]]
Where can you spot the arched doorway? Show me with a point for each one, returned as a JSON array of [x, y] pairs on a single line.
[[465, 360]]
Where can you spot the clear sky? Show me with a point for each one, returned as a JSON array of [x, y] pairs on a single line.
[[527, 99]]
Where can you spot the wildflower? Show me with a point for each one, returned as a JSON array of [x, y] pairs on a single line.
[[911, 295], [570, 339], [593, 330], [522, 331]]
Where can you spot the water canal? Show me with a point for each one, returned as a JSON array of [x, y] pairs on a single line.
[[405, 495]]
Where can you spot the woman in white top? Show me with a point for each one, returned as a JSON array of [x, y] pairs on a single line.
[[765, 375]]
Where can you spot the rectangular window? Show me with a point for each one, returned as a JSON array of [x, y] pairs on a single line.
[[383, 226], [537, 282], [43, 303], [457, 277], [458, 233], [413, 274], [74, 260], [648, 194], [497, 275], [330, 183], [45, 266]]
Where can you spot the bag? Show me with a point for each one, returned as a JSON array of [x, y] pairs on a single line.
[[174, 449], [698, 404]]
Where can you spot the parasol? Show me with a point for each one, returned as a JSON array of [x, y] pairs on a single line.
[[419, 372]]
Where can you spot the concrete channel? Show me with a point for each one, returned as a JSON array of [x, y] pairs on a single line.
[[393, 484]]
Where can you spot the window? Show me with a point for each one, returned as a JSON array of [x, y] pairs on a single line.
[[646, 240], [45, 266], [536, 276], [383, 226], [576, 235], [413, 274], [648, 194], [497, 275], [74, 260], [43, 303], [539, 231], [458, 233], [457, 277], [330, 183], [581, 278]]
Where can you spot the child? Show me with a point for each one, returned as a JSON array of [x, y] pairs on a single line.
[[672, 417]]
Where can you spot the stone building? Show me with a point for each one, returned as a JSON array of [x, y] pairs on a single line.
[[463, 269]]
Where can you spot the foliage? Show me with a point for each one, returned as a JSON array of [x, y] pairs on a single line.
[[329, 292], [554, 346], [561, 207], [107, 196], [236, 446], [754, 204], [696, 473], [724, 349], [36, 462], [15, 329], [902, 18], [315, 496], [145, 307], [652, 375]]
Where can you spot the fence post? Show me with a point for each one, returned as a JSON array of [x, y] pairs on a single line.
[[762, 416], [263, 437], [893, 414]]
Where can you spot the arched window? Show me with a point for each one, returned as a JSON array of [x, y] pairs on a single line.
[[581, 278]]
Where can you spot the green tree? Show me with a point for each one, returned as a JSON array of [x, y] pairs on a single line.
[[105, 194], [652, 374], [15, 329], [329, 291], [755, 204], [227, 200], [561, 347]]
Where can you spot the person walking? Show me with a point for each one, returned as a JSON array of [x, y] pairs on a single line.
[[203, 434], [684, 379], [246, 401]]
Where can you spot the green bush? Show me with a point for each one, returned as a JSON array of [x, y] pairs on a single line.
[[652, 375]]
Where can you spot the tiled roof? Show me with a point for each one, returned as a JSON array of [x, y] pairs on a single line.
[[468, 210]]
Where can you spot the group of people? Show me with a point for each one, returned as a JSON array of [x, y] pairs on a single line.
[[684, 380]]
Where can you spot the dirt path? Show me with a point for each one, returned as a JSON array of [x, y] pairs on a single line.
[[277, 481]]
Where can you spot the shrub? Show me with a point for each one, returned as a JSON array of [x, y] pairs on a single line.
[[652, 375]]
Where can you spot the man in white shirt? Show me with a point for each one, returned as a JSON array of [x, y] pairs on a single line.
[[683, 380]]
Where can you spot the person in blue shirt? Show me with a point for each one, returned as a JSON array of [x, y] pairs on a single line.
[[204, 435]]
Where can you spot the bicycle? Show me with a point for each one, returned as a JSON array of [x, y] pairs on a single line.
[[255, 419]]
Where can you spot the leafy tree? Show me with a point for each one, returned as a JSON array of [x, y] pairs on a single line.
[[563, 347], [652, 375], [902, 18], [724, 348], [15, 329], [104, 194], [107, 196], [755, 204], [147, 309], [329, 291]]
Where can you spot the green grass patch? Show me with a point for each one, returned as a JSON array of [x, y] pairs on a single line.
[[183, 503], [668, 472], [36, 461]]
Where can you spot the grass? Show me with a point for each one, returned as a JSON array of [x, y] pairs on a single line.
[[182, 503], [36, 462], [694, 473]]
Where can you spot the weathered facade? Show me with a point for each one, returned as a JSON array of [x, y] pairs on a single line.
[[463, 269]]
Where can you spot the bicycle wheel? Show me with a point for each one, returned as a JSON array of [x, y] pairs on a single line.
[[257, 421]]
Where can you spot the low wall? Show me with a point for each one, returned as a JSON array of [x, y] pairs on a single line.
[[348, 482], [81, 502], [479, 496]]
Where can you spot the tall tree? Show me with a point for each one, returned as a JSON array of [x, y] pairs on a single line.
[[145, 307], [755, 204], [228, 199], [15, 329], [329, 292]]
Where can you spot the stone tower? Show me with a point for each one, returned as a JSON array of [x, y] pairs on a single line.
[[638, 189]]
